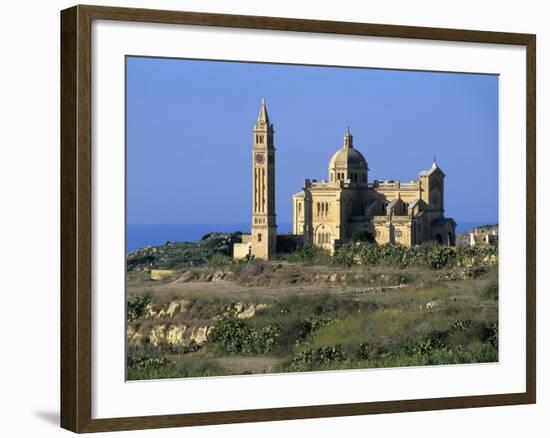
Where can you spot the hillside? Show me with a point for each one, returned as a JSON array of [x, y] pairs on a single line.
[[367, 306], [180, 254]]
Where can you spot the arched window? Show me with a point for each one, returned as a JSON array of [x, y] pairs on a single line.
[[259, 237], [318, 209]]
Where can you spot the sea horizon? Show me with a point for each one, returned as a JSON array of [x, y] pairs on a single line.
[[140, 235]]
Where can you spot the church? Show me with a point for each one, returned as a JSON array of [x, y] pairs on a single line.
[[330, 212]]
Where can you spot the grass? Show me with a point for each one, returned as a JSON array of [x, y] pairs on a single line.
[[352, 325], [175, 366], [485, 353]]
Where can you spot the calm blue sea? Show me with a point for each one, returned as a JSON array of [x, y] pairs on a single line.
[[139, 235]]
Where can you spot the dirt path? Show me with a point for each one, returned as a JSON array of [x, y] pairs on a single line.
[[231, 290], [252, 365]]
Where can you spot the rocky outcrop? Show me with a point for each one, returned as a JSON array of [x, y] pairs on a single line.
[[161, 274], [170, 335], [464, 273], [244, 311], [179, 324], [203, 275]]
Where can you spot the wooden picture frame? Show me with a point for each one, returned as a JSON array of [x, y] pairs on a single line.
[[76, 217]]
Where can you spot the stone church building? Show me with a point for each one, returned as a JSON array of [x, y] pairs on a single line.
[[330, 212]]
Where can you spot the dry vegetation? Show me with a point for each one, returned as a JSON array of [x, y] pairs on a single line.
[[308, 313]]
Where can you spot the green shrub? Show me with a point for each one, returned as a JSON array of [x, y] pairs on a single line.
[[145, 367], [135, 306], [439, 256], [316, 359], [427, 254], [309, 254], [460, 326], [345, 255], [309, 326], [484, 353], [141, 367], [220, 260], [135, 261], [404, 279], [427, 344], [490, 334], [213, 242], [490, 292], [144, 362], [263, 340], [231, 335], [363, 351]]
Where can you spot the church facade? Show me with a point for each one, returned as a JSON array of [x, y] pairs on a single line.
[[347, 205]]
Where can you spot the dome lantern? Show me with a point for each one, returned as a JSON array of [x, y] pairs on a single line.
[[348, 164]]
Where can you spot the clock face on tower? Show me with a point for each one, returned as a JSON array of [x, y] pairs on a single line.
[[259, 158]]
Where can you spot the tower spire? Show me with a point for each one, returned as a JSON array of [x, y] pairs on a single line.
[[263, 116]]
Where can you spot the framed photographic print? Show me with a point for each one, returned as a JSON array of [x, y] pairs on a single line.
[[270, 218]]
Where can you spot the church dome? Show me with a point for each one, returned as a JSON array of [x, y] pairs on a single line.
[[348, 158], [348, 164]]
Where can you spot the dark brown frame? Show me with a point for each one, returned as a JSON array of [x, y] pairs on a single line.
[[76, 173]]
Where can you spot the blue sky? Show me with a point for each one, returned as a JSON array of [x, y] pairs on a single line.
[[189, 134]]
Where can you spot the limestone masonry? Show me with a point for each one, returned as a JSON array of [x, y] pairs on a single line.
[[329, 213]]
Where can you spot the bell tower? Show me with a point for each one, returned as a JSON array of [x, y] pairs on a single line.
[[264, 227]]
